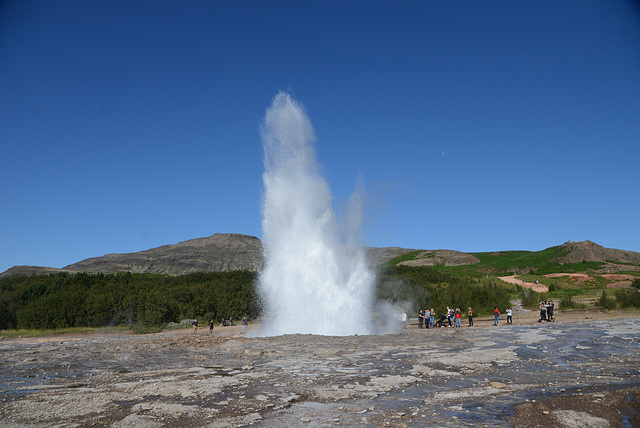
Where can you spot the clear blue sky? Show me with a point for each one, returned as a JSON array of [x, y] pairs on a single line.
[[476, 125]]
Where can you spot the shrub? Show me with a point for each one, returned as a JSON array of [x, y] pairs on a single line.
[[554, 286], [142, 328], [628, 298], [531, 299], [567, 302], [606, 302]]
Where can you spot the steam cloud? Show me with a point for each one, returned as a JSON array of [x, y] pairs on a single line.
[[315, 278]]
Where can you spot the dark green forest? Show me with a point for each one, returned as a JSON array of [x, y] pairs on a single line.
[[142, 301], [425, 287], [139, 300]]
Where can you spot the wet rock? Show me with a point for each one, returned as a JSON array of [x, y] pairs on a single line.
[[171, 379]]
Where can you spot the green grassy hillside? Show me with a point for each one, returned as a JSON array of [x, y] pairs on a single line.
[[501, 263]]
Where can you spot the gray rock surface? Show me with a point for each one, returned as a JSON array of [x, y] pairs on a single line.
[[561, 374]]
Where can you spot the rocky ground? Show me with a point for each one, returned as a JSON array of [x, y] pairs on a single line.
[[581, 371]]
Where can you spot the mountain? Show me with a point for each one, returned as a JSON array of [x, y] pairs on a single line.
[[232, 251], [218, 252], [587, 251], [30, 271]]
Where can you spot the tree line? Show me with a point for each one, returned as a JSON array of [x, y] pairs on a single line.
[[424, 287], [97, 300], [144, 300]]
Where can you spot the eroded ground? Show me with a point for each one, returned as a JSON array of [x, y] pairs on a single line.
[[558, 374]]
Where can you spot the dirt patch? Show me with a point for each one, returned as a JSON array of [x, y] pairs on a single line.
[[441, 257], [514, 279], [618, 277], [576, 278], [620, 284], [619, 280]]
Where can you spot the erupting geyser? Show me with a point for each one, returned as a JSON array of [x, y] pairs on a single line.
[[315, 280]]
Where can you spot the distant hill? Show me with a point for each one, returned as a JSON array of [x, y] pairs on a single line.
[[30, 271], [587, 251], [218, 252], [223, 252], [584, 256]]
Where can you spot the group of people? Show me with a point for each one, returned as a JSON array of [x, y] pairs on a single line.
[[245, 323], [496, 315], [454, 317], [427, 317], [546, 311]]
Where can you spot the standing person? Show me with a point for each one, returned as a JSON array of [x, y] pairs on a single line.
[[245, 322], [550, 306], [403, 320], [509, 315], [432, 319], [496, 316], [470, 315], [458, 318], [210, 327], [195, 326], [420, 319], [450, 316], [427, 318], [543, 312]]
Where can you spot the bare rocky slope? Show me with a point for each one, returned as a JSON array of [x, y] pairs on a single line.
[[224, 252], [591, 252], [219, 252], [441, 257]]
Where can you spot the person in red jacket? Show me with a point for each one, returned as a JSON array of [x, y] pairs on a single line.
[[496, 315]]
